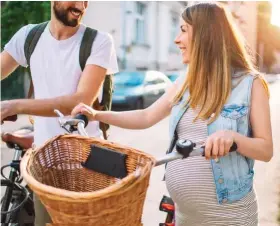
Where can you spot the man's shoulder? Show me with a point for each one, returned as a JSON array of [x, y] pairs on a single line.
[[27, 28], [23, 31], [102, 36]]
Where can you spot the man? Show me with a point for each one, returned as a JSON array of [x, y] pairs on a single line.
[[59, 82]]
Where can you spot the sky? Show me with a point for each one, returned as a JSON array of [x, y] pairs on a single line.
[[275, 18]]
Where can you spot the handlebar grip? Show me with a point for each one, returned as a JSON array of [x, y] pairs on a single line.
[[82, 117], [11, 118], [232, 148]]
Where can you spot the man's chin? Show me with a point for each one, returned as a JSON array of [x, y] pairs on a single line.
[[72, 23]]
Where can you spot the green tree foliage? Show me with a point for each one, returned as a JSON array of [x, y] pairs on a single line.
[[14, 15]]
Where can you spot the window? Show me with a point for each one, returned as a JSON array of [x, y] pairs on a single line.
[[140, 23], [174, 30]]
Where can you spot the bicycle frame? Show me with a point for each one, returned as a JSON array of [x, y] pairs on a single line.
[[14, 172]]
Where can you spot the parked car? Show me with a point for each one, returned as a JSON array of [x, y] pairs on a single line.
[[173, 75], [138, 89]]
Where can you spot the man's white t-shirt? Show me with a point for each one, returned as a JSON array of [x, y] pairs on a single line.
[[56, 71]]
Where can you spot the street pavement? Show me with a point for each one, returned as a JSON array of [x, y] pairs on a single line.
[[155, 141]]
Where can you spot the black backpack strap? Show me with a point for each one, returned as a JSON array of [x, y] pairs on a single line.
[[32, 40], [172, 143], [85, 48]]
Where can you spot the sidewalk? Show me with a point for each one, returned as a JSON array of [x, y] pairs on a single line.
[[267, 175]]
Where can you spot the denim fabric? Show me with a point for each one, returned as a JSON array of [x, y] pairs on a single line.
[[233, 174]]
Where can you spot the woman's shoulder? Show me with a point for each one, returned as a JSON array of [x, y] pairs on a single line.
[[252, 76]]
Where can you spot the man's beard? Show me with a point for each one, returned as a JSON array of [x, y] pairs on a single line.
[[62, 15]]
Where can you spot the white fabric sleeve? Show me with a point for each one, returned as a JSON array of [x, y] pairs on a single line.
[[103, 53], [15, 47]]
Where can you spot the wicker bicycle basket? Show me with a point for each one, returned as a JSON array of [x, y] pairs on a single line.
[[74, 195]]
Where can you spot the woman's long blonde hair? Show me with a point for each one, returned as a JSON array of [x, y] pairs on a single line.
[[216, 49]]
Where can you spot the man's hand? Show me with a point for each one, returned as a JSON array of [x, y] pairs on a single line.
[[87, 91], [8, 108]]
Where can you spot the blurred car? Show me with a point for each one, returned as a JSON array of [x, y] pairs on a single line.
[[173, 75], [138, 89]]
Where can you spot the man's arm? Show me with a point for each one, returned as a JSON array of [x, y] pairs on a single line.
[[87, 91], [8, 64]]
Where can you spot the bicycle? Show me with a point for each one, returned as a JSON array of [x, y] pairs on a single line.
[[17, 203], [106, 161]]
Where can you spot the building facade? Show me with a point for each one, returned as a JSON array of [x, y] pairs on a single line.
[[143, 32]]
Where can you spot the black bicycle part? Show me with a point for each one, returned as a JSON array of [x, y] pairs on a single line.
[[232, 148], [167, 205], [22, 190], [80, 117], [185, 147], [17, 200], [22, 211], [7, 198]]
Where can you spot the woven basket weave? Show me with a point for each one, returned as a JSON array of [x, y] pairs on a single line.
[[75, 195]]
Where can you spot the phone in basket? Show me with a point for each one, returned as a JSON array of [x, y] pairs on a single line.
[[106, 161]]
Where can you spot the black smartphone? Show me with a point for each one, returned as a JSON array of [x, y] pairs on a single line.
[[106, 161]]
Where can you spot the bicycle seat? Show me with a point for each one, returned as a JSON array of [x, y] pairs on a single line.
[[23, 138]]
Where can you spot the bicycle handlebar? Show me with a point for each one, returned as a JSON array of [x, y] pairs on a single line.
[[185, 149], [83, 118], [75, 124]]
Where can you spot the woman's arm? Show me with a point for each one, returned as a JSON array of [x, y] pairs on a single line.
[[260, 146], [138, 119]]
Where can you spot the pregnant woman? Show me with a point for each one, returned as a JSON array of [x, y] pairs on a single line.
[[221, 100]]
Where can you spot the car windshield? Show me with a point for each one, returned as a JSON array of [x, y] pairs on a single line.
[[129, 78]]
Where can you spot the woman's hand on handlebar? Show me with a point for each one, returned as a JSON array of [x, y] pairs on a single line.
[[218, 144], [85, 110]]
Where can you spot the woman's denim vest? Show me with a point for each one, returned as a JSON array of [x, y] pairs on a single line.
[[233, 174]]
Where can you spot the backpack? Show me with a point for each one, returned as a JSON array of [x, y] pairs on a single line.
[[85, 51]]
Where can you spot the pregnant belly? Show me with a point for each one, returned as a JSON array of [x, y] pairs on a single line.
[[190, 184]]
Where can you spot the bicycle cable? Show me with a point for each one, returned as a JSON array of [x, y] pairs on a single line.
[[2, 173], [23, 201], [18, 179]]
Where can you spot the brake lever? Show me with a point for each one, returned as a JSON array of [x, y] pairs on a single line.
[[71, 122]]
